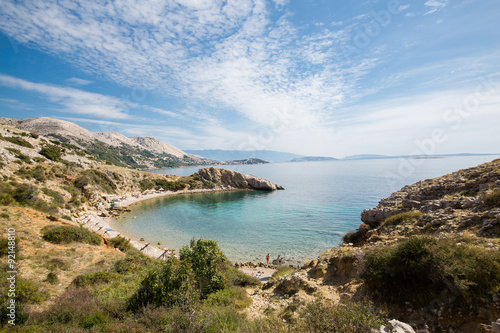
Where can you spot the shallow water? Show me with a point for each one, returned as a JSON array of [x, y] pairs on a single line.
[[321, 201]]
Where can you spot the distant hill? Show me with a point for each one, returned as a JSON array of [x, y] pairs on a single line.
[[134, 152], [226, 155], [377, 157], [313, 159]]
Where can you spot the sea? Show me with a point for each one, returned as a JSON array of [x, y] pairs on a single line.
[[320, 203]]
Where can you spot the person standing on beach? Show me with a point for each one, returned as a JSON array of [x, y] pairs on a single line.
[[267, 258]]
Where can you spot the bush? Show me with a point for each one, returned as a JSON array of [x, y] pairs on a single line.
[[93, 320], [52, 278], [206, 260], [51, 152], [492, 199], [94, 177], [19, 155], [401, 217], [233, 296], [4, 246], [90, 279], [68, 234], [131, 263], [420, 269], [17, 141], [353, 237], [169, 284], [348, 317], [120, 243], [71, 307], [6, 199]]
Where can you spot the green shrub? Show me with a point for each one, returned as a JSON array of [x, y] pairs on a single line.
[[17, 141], [90, 279], [52, 278], [56, 196], [134, 261], [419, 269], [146, 184], [94, 177], [4, 246], [206, 260], [169, 284], [281, 271], [492, 199], [93, 320], [17, 154], [401, 217], [51, 152], [4, 216], [347, 317], [353, 237], [233, 296], [120, 243], [68, 234], [6, 199], [71, 307]]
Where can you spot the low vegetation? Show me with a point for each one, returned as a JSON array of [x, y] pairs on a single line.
[[401, 218], [420, 269], [492, 199], [61, 234], [17, 141]]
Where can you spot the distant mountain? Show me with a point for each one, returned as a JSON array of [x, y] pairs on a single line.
[[313, 159], [366, 157], [377, 157], [135, 152], [226, 155], [245, 161]]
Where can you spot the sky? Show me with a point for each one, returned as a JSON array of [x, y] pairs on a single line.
[[312, 77]]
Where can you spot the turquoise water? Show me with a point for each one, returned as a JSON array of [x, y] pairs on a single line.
[[321, 201]]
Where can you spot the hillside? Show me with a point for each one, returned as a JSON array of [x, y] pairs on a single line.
[[135, 152], [428, 255]]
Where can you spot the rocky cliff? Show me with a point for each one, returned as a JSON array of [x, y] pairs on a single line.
[[229, 179], [454, 203]]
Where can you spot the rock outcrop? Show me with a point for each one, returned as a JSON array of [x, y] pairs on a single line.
[[449, 204], [229, 179]]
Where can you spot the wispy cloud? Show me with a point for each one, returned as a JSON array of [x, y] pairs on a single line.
[[222, 55], [72, 100], [435, 5], [78, 82]]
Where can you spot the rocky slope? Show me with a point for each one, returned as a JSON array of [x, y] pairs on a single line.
[[133, 152], [454, 203]]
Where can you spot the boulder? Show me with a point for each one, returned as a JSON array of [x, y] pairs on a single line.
[[396, 326]]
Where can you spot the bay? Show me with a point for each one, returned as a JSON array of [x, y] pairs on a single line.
[[320, 203]]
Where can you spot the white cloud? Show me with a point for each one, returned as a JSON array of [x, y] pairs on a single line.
[[78, 82], [73, 100], [222, 55], [436, 5]]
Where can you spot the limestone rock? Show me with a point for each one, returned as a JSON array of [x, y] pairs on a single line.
[[396, 326], [234, 180]]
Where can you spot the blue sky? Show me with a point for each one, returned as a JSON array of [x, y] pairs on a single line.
[[314, 77]]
